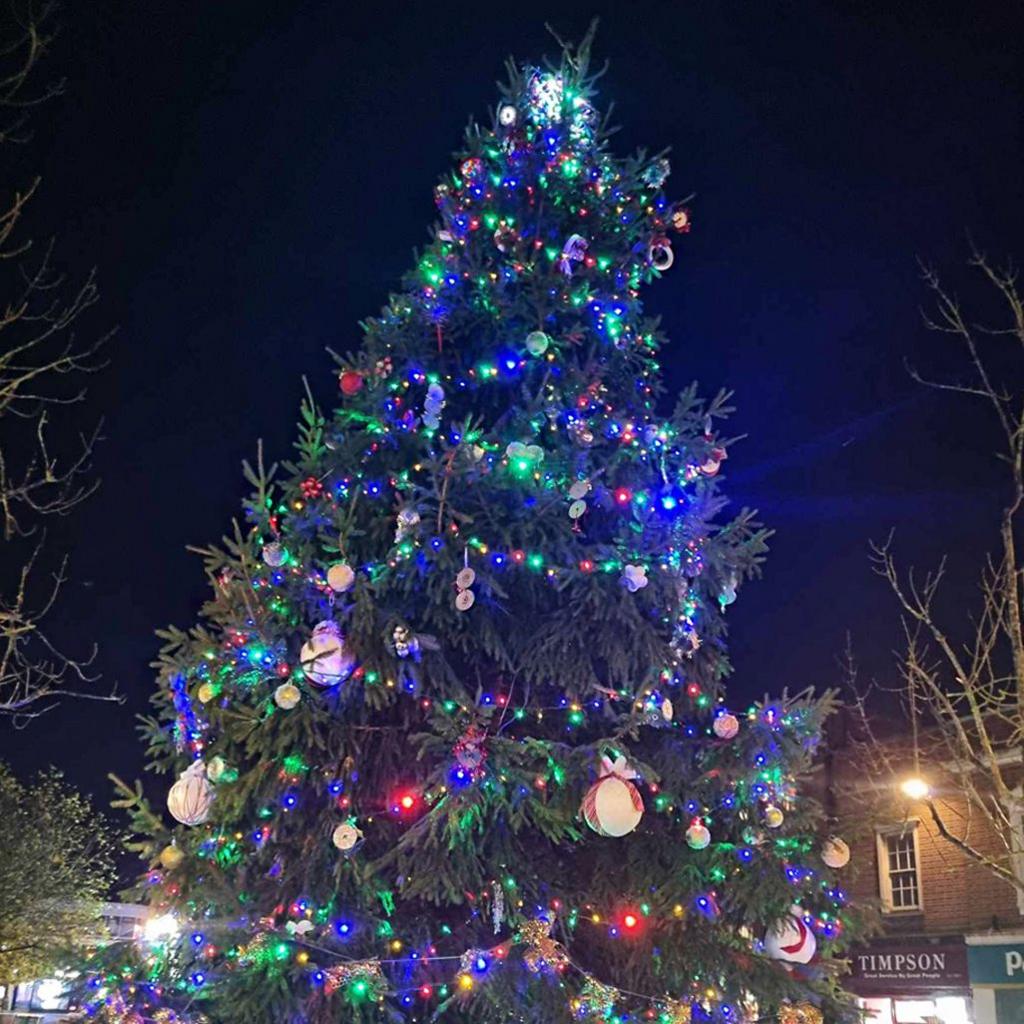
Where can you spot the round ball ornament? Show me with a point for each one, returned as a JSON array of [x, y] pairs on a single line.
[[191, 797], [350, 382], [537, 343], [206, 693], [171, 857], [726, 726], [324, 657], [464, 600], [346, 836], [835, 853], [274, 554], [577, 508], [216, 769], [340, 577], [773, 816], [698, 836], [613, 806], [507, 115], [660, 255], [791, 940], [287, 695], [505, 238], [465, 578]]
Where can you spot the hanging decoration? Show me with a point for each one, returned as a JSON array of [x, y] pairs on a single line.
[[191, 797], [725, 726], [612, 805], [287, 695], [341, 577], [835, 853], [346, 836], [791, 940], [325, 659]]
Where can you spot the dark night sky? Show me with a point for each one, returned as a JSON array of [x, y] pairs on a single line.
[[251, 178]]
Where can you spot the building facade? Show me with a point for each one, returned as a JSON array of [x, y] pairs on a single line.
[[952, 943]]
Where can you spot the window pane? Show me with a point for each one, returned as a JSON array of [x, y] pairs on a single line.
[[902, 870]]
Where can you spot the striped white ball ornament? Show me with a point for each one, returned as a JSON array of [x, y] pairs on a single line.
[[613, 805], [191, 797]]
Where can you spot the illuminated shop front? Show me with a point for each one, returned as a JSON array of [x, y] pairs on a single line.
[[912, 982]]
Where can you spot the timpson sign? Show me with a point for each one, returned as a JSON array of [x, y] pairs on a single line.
[[909, 969]]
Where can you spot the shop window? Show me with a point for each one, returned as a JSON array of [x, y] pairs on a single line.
[[899, 876], [941, 1010]]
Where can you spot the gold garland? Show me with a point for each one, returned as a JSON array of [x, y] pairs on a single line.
[[799, 1013]]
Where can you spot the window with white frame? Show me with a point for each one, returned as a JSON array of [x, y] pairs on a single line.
[[899, 874]]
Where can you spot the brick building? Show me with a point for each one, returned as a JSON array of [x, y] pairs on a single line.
[[951, 947]]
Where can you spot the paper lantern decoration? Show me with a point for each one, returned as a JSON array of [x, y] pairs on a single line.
[[324, 656], [346, 836], [725, 726], [287, 695], [190, 798], [612, 805], [835, 853], [171, 857], [340, 577], [697, 836], [773, 816], [791, 940]]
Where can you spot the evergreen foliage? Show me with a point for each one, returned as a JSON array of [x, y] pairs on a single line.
[[513, 377]]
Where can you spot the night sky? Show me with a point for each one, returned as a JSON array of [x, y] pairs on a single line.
[[250, 179]]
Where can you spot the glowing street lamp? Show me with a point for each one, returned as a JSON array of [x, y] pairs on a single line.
[[915, 787]]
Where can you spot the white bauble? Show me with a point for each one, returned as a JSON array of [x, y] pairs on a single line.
[[287, 695], [791, 940], [725, 726], [773, 816], [190, 798], [274, 554], [660, 255], [697, 836], [216, 768], [613, 807], [507, 115], [346, 836], [537, 343], [324, 657], [835, 853], [340, 577]]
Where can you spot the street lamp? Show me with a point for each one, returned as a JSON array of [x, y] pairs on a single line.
[[915, 787]]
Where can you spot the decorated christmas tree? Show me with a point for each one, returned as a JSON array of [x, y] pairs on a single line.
[[451, 739]]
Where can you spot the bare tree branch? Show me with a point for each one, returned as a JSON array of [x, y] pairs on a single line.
[[46, 461], [966, 678]]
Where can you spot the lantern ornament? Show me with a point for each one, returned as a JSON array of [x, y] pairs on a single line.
[[191, 797], [612, 805]]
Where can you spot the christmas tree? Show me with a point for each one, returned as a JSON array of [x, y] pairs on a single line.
[[451, 738]]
